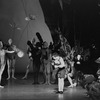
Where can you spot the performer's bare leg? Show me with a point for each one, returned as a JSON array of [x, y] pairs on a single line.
[[48, 78], [70, 81], [60, 84], [44, 73], [49, 73], [45, 78], [27, 70], [9, 70], [26, 74], [13, 69], [1, 72]]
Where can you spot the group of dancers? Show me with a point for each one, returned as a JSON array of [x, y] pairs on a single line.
[[40, 58], [7, 56], [54, 60]]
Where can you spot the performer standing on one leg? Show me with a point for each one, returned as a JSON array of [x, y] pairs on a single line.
[[11, 59], [2, 60], [60, 70]]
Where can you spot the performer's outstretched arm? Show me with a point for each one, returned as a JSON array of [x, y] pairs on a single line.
[[9, 51]]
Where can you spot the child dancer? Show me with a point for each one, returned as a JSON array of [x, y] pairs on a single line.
[[60, 70]]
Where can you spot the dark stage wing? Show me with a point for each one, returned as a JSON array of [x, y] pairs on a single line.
[[57, 13], [52, 12]]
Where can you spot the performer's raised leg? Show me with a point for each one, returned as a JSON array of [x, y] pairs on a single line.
[[70, 80]]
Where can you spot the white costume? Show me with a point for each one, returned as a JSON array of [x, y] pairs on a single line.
[[2, 62]]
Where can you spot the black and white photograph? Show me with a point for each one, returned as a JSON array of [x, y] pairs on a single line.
[[49, 49]]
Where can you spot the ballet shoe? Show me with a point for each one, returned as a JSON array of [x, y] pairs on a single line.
[[59, 92], [24, 78], [8, 78], [14, 77]]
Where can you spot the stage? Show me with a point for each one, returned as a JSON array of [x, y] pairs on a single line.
[[24, 90]]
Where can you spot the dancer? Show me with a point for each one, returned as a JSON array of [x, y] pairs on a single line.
[[71, 74], [29, 52], [46, 63], [60, 70], [11, 58], [2, 60], [71, 70]]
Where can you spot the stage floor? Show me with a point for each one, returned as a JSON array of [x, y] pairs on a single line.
[[24, 90]]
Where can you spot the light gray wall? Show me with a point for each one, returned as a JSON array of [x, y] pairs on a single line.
[[15, 9]]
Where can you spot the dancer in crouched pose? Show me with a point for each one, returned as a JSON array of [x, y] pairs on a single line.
[[70, 74], [3, 60], [60, 70]]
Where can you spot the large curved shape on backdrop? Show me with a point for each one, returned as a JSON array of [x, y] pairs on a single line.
[[15, 12]]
